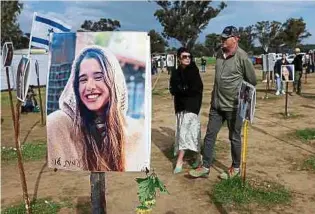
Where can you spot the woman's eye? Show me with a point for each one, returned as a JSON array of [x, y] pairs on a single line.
[[99, 77], [82, 80]]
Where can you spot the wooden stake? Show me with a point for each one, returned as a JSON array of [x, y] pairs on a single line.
[[98, 198], [10, 96], [286, 99], [244, 152], [20, 161]]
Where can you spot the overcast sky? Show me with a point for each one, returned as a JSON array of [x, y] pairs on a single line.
[[138, 15]]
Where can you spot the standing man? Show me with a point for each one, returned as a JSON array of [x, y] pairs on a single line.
[[232, 67], [298, 70], [203, 64], [312, 61]]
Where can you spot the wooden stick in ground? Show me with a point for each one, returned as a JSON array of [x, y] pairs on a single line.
[[39, 94], [20, 161], [10, 96], [267, 85], [286, 99], [244, 152], [98, 198]]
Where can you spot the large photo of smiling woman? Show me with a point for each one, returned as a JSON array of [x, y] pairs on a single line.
[[92, 129]]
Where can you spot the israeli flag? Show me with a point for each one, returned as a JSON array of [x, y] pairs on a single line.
[[42, 26]]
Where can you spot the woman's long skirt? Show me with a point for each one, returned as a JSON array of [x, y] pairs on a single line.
[[188, 133]]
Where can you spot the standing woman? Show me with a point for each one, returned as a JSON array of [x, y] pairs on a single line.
[[277, 69], [90, 130], [186, 87]]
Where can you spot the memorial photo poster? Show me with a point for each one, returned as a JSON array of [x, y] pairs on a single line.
[[170, 60], [247, 101], [287, 73], [7, 54], [101, 121], [22, 78]]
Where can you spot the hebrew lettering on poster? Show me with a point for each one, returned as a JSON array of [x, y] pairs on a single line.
[[102, 119]]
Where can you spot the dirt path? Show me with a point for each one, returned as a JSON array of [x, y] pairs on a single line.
[[274, 154]]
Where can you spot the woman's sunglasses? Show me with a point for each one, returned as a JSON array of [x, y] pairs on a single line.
[[186, 57]]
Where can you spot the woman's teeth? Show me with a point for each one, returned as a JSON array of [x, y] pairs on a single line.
[[92, 96]]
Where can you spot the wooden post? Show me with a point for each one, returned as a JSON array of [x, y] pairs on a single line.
[[267, 84], [98, 198], [286, 99], [39, 94], [305, 80], [10, 96], [244, 152], [20, 161]]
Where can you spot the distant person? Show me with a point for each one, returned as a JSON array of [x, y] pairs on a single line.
[[277, 69], [312, 61], [232, 67], [30, 104], [203, 64], [186, 86], [298, 66]]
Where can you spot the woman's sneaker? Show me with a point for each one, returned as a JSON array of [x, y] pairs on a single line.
[[231, 173], [200, 172]]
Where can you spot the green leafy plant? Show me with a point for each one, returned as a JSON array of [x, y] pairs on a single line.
[[147, 190]]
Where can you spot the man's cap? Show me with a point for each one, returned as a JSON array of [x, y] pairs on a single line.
[[297, 50], [229, 31]]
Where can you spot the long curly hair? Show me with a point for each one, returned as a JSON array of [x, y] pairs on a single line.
[[101, 153]]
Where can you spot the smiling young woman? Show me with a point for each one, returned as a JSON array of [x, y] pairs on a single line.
[[91, 130]]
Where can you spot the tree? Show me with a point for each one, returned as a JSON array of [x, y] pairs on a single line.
[[199, 50], [212, 43], [10, 29], [267, 33], [185, 20], [101, 25], [247, 36], [158, 43], [294, 31]]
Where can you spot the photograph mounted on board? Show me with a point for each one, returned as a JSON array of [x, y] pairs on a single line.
[[287, 73], [22, 78], [247, 101], [102, 119], [170, 60], [7, 54]]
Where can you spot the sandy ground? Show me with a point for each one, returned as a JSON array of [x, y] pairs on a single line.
[[273, 154]]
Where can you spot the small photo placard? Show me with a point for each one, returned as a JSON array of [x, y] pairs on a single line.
[[287, 73]]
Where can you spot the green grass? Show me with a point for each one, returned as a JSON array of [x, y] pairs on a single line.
[[231, 192], [309, 164], [40, 206], [306, 134], [30, 152]]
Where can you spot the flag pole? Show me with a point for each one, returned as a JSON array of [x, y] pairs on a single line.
[[39, 94], [30, 43]]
